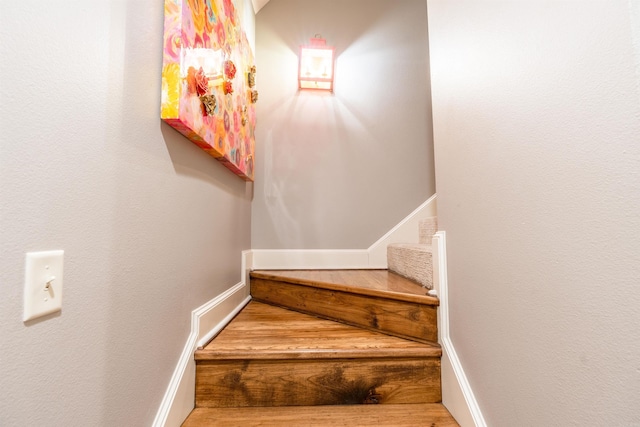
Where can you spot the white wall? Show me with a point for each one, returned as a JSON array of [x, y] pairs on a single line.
[[536, 129], [152, 227], [338, 171]]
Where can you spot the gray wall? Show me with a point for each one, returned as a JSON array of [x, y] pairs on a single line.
[[338, 171], [152, 227], [537, 131]]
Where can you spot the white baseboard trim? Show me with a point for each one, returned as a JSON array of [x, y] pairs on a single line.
[[297, 259], [457, 394], [206, 322], [374, 257]]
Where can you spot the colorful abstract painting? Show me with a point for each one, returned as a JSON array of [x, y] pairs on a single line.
[[208, 80]]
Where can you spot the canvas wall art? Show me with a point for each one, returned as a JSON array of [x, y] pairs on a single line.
[[208, 80]]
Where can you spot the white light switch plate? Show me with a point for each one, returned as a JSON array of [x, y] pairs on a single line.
[[43, 284]]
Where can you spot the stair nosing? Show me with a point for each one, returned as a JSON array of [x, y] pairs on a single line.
[[430, 350], [373, 414]]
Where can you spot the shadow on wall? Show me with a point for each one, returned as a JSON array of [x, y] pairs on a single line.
[[190, 160]]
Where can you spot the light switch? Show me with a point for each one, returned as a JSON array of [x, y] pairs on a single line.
[[43, 284]]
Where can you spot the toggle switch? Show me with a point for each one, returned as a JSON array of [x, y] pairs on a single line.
[[43, 284]]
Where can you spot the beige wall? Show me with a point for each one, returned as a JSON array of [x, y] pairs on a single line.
[[338, 171], [152, 227], [537, 127]]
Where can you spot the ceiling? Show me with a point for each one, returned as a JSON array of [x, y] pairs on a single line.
[[258, 4]]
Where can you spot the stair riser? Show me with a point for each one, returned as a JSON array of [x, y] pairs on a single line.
[[317, 382], [412, 263], [399, 318]]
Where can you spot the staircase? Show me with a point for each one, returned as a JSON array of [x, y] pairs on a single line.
[[325, 348]]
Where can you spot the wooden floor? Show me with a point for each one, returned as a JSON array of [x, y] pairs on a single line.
[[263, 331], [367, 282], [428, 415], [325, 348]]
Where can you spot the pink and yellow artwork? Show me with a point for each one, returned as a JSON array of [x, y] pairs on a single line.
[[208, 78]]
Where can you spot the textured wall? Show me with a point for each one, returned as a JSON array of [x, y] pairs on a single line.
[[152, 227], [338, 171], [537, 125]]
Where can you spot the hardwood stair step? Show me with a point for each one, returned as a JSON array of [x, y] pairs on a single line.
[[263, 331], [377, 300], [270, 356], [426, 414]]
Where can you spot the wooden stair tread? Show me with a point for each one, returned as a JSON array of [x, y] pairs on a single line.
[[375, 302], [407, 415], [379, 283], [263, 331]]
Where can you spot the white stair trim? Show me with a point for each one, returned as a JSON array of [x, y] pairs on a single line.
[[206, 321], [312, 259], [406, 231], [374, 257], [457, 394]]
